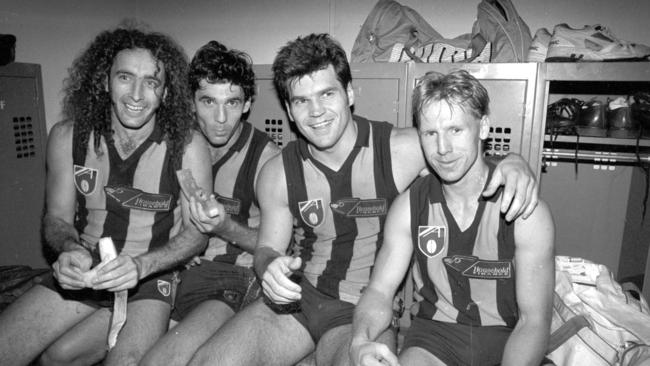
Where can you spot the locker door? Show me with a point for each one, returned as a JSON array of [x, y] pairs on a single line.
[[22, 162]]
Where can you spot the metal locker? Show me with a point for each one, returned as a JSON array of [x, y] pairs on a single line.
[[22, 162]]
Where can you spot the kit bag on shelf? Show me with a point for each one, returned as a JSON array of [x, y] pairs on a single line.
[[388, 24], [596, 321], [396, 33], [498, 23]]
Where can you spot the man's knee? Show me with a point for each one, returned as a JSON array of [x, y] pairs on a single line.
[[63, 353]]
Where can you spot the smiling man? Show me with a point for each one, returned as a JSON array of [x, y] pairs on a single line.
[[484, 283], [329, 193], [111, 173], [211, 291]]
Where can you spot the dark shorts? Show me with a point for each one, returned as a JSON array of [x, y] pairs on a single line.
[[161, 286], [319, 313], [236, 286], [458, 344]]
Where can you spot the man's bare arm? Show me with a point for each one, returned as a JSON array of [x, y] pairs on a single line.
[[271, 263], [189, 241], [60, 235], [535, 271], [224, 226], [374, 312]]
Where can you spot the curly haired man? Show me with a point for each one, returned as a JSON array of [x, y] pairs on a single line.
[[111, 173]]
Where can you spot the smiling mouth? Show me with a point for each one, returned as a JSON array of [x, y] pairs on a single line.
[[133, 108], [321, 125]]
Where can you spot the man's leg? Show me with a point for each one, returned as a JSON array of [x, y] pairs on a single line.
[[34, 321], [83, 344], [147, 321], [256, 336], [181, 342], [416, 356], [333, 348]]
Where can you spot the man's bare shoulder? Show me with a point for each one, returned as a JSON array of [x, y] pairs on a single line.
[[273, 168], [403, 135], [62, 128]]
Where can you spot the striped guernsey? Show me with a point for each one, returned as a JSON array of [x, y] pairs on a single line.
[[134, 201], [234, 187], [462, 277], [340, 215]]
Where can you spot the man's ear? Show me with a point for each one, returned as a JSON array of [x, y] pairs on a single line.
[[350, 92], [164, 95], [484, 127], [247, 106], [106, 84], [286, 105]]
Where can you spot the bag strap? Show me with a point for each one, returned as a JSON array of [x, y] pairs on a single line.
[[576, 327], [566, 331]]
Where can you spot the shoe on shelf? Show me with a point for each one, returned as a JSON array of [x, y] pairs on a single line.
[[539, 46], [592, 43], [561, 116], [641, 112], [619, 117], [592, 120]]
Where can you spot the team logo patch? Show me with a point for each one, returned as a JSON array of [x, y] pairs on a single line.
[[136, 199], [311, 212], [473, 267], [432, 240], [164, 287], [356, 207], [231, 205], [85, 179]]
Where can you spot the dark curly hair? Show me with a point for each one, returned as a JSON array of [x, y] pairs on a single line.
[[88, 104], [307, 55], [216, 63]]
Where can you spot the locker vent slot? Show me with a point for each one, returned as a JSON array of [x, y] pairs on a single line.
[[274, 128], [498, 141], [24, 137]]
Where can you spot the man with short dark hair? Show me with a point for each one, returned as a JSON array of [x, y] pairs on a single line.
[[210, 292]]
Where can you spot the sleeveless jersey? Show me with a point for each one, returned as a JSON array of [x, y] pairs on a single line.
[[234, 187], [340, 215], [462, 277], [134, 201]]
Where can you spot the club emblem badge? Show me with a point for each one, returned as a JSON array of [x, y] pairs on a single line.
[[85, 179], [311, 212], [432, 240], [164, 287]]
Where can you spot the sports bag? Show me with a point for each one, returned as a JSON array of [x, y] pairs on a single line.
[[390, 23], [596, 321], [498, 23]]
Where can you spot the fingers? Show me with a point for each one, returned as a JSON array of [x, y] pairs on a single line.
[[376, 354], [533, 199], [494, 184], [277, 285], [524, 199], [118, 274]]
